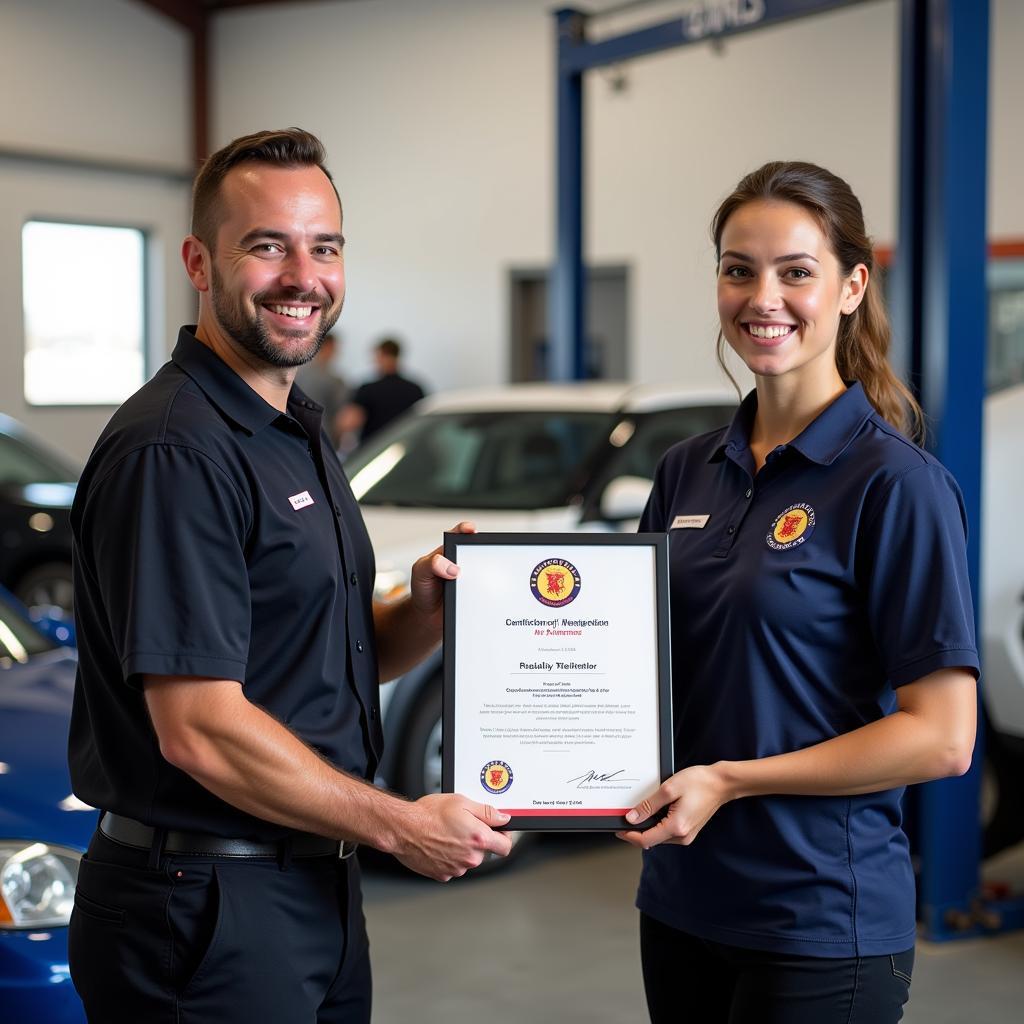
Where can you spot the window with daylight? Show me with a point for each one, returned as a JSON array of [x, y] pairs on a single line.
[[85, 316]]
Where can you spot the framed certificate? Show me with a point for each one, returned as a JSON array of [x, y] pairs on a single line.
[[557, 691]]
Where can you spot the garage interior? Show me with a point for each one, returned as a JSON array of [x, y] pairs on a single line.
[[494, 162]]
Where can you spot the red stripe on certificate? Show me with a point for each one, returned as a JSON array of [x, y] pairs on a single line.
[[536, 812]]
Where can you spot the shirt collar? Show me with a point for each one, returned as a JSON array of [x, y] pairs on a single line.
[[822, 441], [221, 385]]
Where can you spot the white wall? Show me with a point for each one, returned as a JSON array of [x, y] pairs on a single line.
[[691, 122], [439, 120], [436, 121], [100, 78], [438, 117], [1006, 121], [104, 80]]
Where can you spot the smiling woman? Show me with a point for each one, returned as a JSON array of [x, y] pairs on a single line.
[[816, 261], [822, 640]]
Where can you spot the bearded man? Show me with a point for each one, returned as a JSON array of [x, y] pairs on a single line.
[[227, 717]]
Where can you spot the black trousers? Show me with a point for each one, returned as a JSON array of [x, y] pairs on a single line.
[[205, 940], [695, 981]]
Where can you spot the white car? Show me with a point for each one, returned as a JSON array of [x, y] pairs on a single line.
[[1002, 616], [558, 458]]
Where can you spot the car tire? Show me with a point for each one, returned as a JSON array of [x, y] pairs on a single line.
[[48, 585], [419, 764]]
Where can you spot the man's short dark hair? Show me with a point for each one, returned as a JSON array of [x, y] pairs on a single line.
[[389, 347], [287, 147]]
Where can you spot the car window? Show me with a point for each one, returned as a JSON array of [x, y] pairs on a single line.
[[656, 432], [19, 638], [21, 464], [493, 460]]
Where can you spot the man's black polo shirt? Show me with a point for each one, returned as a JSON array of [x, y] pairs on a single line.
[[213, 538]]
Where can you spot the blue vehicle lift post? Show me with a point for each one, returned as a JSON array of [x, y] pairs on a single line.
[[938, 292]]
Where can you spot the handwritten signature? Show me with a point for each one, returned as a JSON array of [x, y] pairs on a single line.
[[593, 776]]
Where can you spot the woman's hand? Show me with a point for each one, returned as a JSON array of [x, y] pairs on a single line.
[[692, 797]]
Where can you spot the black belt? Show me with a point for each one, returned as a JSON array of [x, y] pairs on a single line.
[[130, 832]]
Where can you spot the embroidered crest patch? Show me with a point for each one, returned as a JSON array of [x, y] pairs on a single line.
[[791, 527]]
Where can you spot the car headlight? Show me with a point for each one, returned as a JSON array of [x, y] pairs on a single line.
[[37, 884]]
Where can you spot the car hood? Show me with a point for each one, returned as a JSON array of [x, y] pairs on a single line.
[[401, 535], [35, 789]]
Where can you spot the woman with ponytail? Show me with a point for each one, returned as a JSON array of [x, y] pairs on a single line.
[[822, 640]]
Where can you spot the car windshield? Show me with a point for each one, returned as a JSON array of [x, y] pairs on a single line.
[[489, 460], [19, 638], [22, 464]]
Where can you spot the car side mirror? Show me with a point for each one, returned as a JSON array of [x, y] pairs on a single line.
[[625, 498]]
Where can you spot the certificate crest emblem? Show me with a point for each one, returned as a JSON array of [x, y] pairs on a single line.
[[792, 527], [555, 582], [495, 777]]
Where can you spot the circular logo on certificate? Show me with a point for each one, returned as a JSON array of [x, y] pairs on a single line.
[[495, 777], [555, 582], [791, 527]]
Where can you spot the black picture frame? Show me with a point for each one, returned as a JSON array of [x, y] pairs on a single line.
[[570, 821]]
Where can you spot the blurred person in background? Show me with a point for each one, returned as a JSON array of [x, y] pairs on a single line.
[[377, 402]]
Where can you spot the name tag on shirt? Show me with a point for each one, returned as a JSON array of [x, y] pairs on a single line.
[[690, 522], [301, 500]]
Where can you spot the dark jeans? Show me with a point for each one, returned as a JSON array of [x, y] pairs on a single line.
[[213, 940], [692, 980]]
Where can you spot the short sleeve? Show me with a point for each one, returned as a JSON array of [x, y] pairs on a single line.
[[914, 554], [164, 537]]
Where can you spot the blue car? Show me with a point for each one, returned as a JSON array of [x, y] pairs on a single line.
[[44, 828]]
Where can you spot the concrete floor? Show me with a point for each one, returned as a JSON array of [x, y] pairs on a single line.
[[553, 938]]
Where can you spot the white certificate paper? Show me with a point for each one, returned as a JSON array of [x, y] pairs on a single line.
[[557, 698]]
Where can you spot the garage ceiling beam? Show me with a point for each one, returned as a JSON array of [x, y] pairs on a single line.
[[190, 14], [221, 5], [194, 17]]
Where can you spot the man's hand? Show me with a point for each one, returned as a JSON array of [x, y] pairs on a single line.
[[208, 729], [446, 834], [409, 630], [692, 797], [426, 584]]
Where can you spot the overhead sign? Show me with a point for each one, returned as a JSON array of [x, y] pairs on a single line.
[[712, 17], [699, 20]]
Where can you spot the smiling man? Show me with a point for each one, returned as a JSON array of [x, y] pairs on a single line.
[[226, 717]]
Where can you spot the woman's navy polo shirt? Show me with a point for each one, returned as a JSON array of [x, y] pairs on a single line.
[[800, 598], [214, 538]]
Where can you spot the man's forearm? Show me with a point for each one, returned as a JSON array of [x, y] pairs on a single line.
[[253, 762]]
